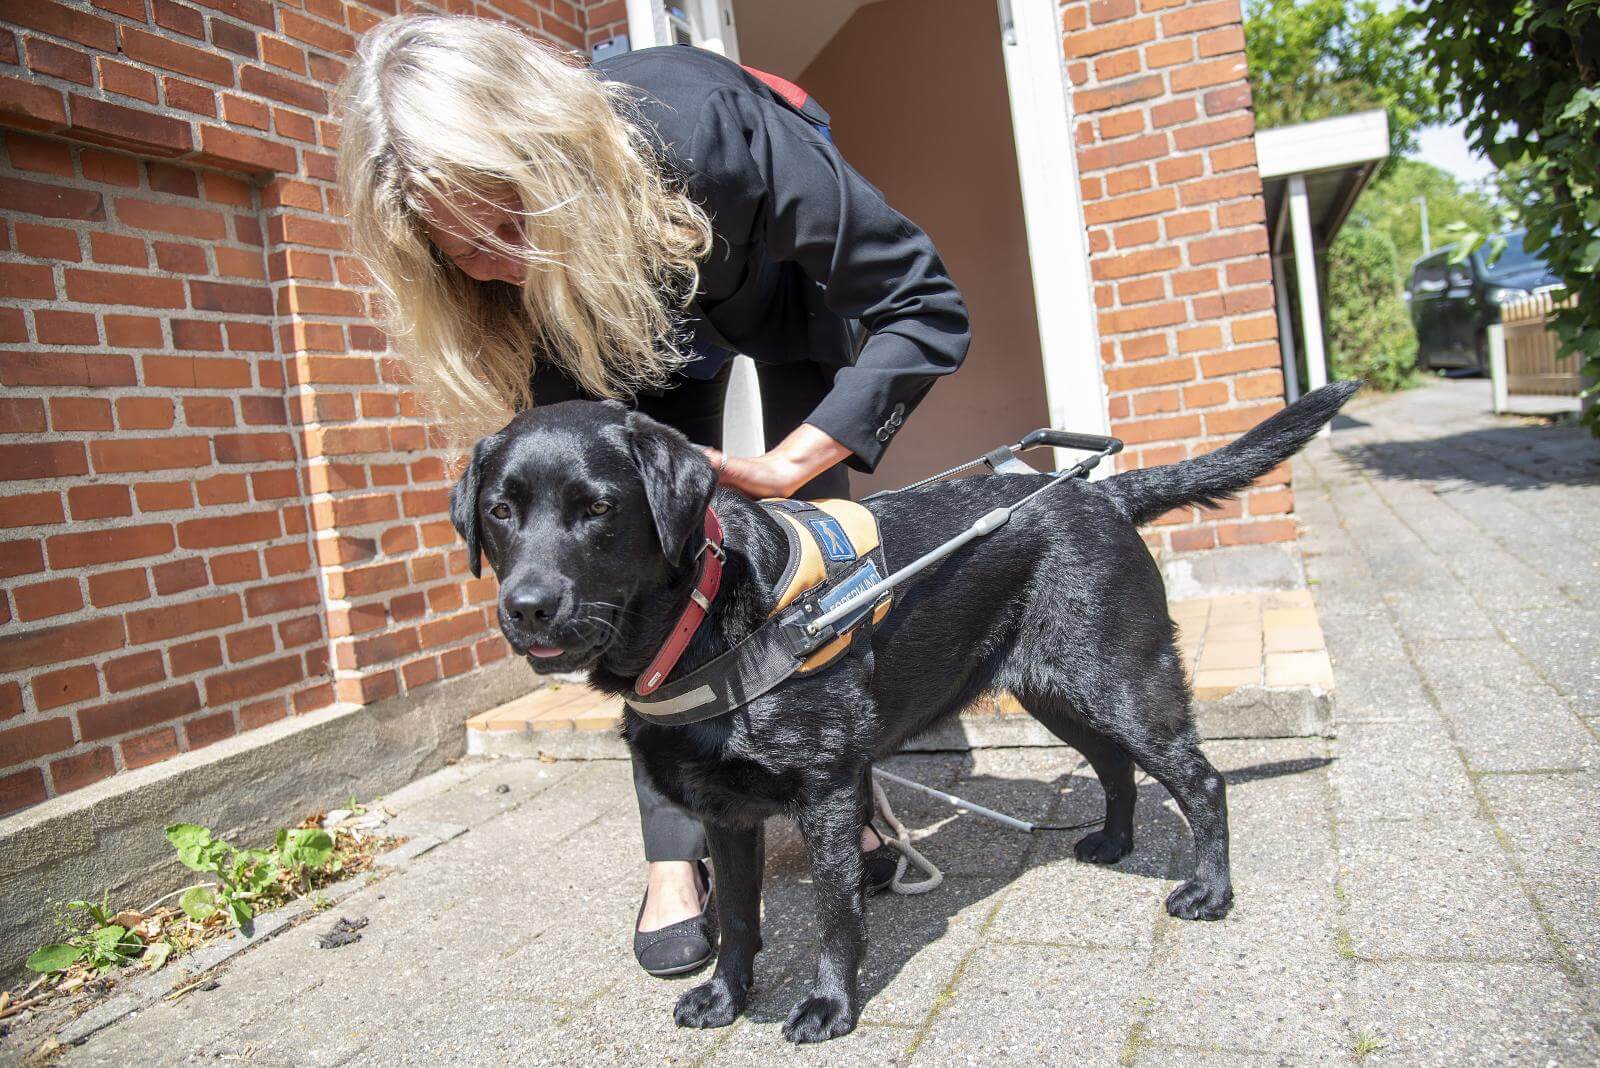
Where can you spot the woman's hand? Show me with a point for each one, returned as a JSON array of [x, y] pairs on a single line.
[[800, 457]]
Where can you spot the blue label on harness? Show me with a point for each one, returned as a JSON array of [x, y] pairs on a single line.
[[831, 536], [865, 576]]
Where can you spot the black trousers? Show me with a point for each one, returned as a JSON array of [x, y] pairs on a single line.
[[789, 393]]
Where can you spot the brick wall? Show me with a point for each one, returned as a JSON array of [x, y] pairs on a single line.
[[218, 504], [1178, 243]]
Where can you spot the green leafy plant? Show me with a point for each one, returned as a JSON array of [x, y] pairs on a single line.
[[304, 850], [1369, 329], [1525, 77], [105, 945], [242, 874]]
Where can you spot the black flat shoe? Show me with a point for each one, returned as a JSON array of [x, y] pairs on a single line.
[[682, 947], [880, 864]]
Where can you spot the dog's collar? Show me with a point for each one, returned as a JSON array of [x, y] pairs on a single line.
[[706, 584]]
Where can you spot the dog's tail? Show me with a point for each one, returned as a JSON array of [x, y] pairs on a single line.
[[1217, 476]]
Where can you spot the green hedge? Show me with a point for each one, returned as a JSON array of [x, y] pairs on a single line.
[[1369, 327]]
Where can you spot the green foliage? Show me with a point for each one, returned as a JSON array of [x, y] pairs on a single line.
[[1313, 59], [1369, 328], [104, 946], [243, 875], [1525, 75], [1389, 204]]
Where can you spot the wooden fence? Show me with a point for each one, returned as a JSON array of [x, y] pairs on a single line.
[[1528, 374]]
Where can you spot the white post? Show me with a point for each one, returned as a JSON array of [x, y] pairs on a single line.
[[1058, 251], [645, 20], [1305, 273], [1280, 291], [1497, 365]]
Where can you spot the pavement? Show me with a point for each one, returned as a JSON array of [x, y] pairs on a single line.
[[1422, 889]]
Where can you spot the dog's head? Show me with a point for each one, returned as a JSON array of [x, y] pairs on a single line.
[[581, 508]]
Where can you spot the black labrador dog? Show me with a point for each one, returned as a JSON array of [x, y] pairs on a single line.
[[591, 516]]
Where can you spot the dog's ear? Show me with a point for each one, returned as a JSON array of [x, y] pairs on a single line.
[[464, 505], [678, 483]]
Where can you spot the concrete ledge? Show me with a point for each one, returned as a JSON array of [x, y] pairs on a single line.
[[110, 835]]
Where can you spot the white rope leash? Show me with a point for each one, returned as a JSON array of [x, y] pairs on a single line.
[[902, 844]]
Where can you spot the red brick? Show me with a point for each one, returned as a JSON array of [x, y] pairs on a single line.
[[123, 127], [21, 789], [109, 546], [82, 769], [134, 671], [99, 502], [150, 454], [1168, 53], [1106, 268], [267, 600], [26, 281], [170, 55], [31, 509], [208, 411], [80, 413], [1137, 431], [118, 587], [222, 489], [197, 372], [170, 218], [1257, 532], [1121, 35], [1172, 112], [31, 107], [1149, 373], [197, 655], [230, 568], [34, 740], [1222, 41], [176, 576], [1213, 72], [133, 331], [274, 485], [70, 64], [47, 242], [1120, 153], [105, 287], [59, 20], [230, 686], [228, 530], [163, 496], [21, 415], [152, 748], [173, 621], [1231, 362], [1128, 92], [184, 20], [45, 599], [65, 328], [144, 413], [249, 644], [1215, 132], [204, 730], [314, 33], [181, 259], [126, 80], [44, 460], [253, 448], [65, 686], [20, 557], [1200, 17], [1247, 242], [235, 39], [229, 148]]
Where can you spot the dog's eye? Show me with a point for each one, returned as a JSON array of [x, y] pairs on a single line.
[[600, 508], [501, 511]]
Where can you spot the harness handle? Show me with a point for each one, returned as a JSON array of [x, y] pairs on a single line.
[[1065, 439]]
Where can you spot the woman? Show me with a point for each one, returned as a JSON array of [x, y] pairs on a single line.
[[541, 230]]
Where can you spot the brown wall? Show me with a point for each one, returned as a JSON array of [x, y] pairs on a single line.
[[917, 93]]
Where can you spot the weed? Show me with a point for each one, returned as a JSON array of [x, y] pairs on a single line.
[[1366, 1044]]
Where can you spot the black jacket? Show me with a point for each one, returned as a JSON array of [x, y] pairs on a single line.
[[808, 259]]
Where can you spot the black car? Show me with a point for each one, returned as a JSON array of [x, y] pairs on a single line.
[[1452, 304]]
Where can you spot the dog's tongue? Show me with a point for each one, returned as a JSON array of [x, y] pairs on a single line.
[[545, 651]]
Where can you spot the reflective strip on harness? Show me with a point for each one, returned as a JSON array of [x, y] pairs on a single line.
[[834, 552]]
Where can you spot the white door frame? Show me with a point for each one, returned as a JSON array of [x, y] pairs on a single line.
[[1058, 253]]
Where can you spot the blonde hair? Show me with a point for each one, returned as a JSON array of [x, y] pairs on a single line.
[[466, 108]]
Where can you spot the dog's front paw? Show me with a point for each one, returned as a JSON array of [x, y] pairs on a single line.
[[1196, 900], [817, 1019], [1102, 848], [707, 1005]]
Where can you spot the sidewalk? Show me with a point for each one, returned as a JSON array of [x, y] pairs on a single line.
[[1424, 889]]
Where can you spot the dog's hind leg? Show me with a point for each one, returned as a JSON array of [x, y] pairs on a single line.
[[1112, 766], [738, 857], [1147, 714]]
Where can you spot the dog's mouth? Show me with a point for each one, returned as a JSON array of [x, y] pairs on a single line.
[[578, 645]]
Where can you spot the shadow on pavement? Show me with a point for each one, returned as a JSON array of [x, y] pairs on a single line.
[[980, 858], [1508, 457]]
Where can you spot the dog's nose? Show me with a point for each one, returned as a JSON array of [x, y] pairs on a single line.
[[533, 604]]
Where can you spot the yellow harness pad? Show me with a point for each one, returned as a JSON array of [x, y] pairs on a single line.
[[861, 526]]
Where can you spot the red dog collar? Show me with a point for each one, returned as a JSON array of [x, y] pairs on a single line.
[[694, 613]]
